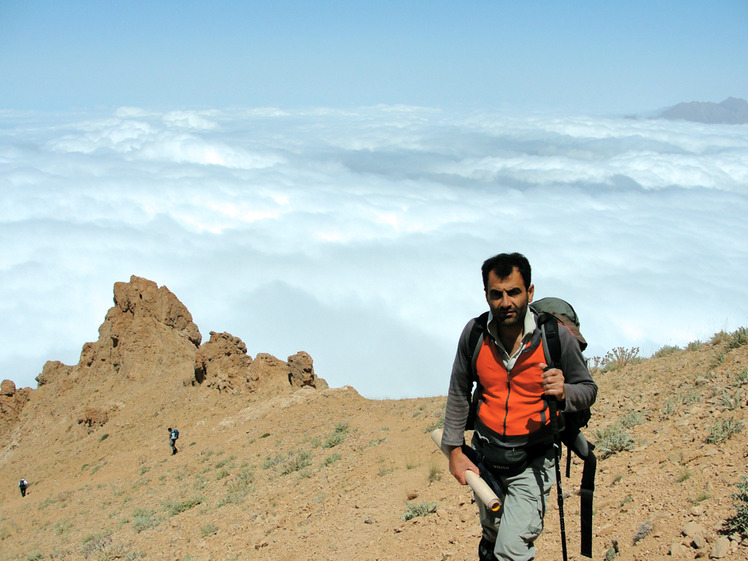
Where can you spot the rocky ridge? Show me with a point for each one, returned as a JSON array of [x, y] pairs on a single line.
[[273, 464]]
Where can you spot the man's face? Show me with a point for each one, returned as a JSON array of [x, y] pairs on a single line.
[[508, 298]]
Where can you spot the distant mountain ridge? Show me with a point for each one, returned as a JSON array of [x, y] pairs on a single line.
[[732, 111]]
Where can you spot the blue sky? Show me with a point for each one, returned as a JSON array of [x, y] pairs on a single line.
[[328, 177], [573, 56]]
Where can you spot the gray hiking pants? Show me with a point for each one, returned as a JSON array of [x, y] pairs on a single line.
[[519, 521]]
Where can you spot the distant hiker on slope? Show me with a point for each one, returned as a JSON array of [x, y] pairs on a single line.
[[512, 424], [22, 486], [173, 435]]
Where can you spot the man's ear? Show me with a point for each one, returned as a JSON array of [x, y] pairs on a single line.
[[530, 293]]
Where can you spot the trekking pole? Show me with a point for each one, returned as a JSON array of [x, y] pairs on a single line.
[[553, 406]]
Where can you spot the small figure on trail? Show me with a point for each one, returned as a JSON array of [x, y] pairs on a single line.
[[515, 385], [22, 486], [173, 435]]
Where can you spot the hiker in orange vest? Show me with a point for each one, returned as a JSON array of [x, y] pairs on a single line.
[[512, 421]]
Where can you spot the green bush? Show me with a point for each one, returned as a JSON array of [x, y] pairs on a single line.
[[142, 520], [297, 462], [665, 351], [612, 439], [738, 523], [239, 488], [618, 358], [177, 507], [724, 430], [738, 338], [105, 549], [331, 459], [337, 437], [414, 511]]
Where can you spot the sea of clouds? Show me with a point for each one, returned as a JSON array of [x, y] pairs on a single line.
[[357, 235]]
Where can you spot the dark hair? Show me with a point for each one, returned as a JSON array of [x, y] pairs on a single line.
[[504, 263]]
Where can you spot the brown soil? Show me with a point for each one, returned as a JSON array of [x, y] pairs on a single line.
[[324, 474]]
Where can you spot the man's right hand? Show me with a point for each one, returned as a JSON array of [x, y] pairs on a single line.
[[459, 463]]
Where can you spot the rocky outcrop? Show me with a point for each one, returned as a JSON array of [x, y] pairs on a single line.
[[54, 371], [147, 332], [93, 418], [301, 372], [223, 363], [148, 345], [12, 401]]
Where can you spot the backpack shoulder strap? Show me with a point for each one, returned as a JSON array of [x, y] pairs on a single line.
[[551, 341], [572, 436], [475, 341]]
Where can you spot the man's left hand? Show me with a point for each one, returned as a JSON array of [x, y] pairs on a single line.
[[553, 382]]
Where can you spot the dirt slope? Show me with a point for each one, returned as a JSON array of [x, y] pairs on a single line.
[[324, 474]]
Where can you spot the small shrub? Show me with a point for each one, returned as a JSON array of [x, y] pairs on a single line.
[[414, 510], [684, 476], [62, 527], [694, 346], [272, 462], [105, 549], [738, 523], [612, 440], [438, 424], [143, 520], [665, 351], [619, 357], [741, 377], [385, 471], [731, 401], [700, 498], [177, 507], [331, 459], [104, 437], [724, 430], [337, 437], [738, 338], [631, 419], [720, 337], [208, 529], [334, 440], [297, 462], [239, 488], [645, 528]]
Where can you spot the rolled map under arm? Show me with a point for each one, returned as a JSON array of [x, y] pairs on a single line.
[[481, 489]]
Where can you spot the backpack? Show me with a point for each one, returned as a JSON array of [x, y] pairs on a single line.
[[552, 311], [174, 434]]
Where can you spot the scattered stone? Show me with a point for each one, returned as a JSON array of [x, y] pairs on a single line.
[[677, 549], [721, 548], [693, 529], [699, 542]]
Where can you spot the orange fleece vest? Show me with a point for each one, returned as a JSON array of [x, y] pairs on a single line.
[[512, 403]]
